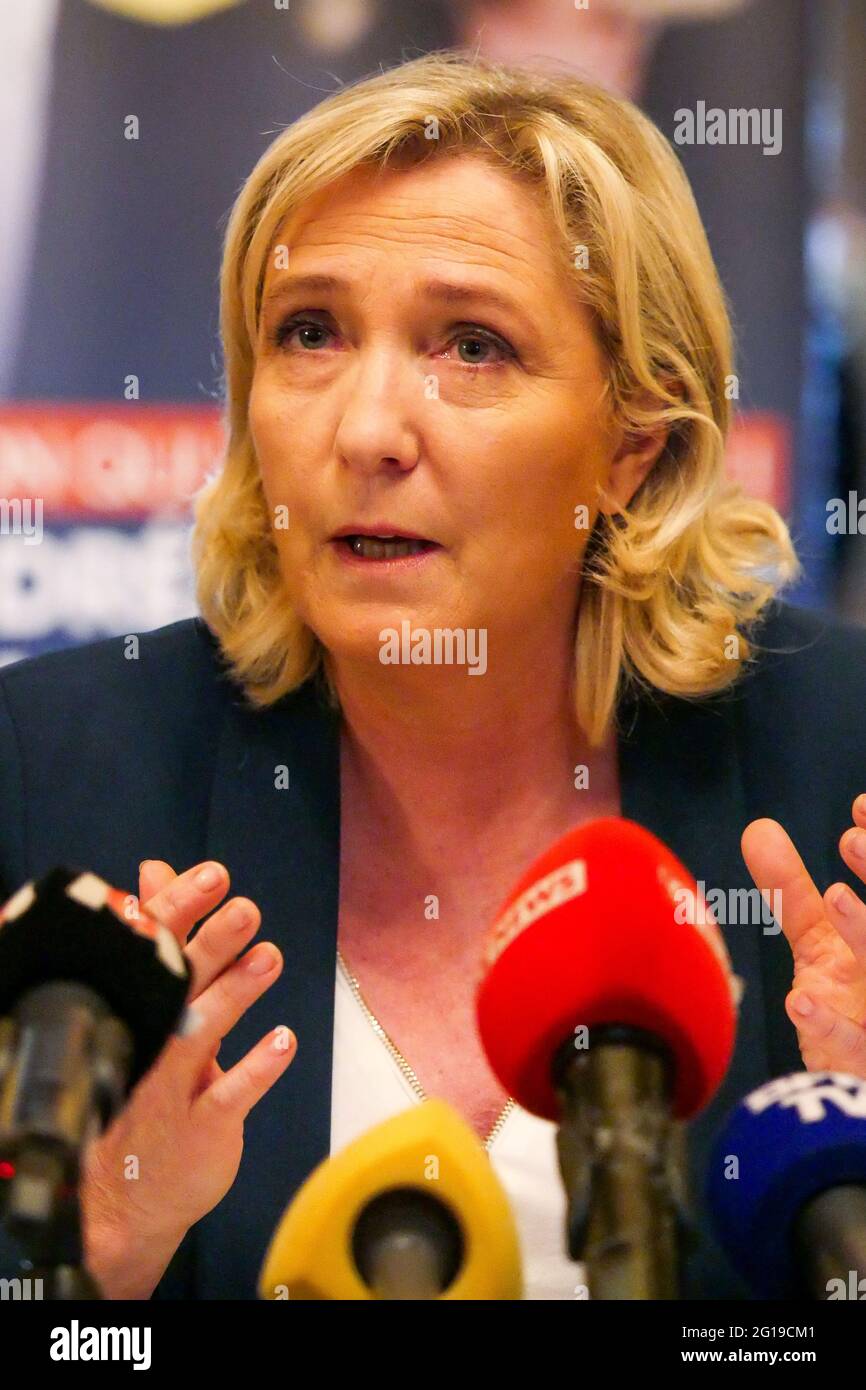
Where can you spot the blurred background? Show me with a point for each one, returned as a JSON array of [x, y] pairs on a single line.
[[127, 128]]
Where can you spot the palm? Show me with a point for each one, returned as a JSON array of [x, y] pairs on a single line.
[[827, 1002], [823, 962]]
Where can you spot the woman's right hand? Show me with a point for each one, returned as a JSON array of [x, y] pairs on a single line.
[[174, 1150]]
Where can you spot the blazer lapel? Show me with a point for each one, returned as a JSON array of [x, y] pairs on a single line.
[[681, 777], [275, 824]]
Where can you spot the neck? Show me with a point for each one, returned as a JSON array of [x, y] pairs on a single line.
[[473, 760]]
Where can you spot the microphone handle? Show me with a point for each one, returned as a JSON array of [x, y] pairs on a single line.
[[831, 1238], [619, 1154], [64, 1069], [407, 1244]]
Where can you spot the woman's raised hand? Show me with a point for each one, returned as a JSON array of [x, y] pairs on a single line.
[[827, 935], [174, 1151]]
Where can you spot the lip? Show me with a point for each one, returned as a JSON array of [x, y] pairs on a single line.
[[381, 528], [346, 555]]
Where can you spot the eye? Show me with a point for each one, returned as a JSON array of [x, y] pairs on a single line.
[[472, 333], [295, 322]]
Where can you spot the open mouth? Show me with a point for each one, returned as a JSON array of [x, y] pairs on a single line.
[[384, 547]]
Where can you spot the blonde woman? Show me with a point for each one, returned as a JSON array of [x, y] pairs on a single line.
[[476, 359]]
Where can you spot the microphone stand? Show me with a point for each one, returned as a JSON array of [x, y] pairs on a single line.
[[407, 1245], [830, 1237], [64, 1064], [621, 1159]]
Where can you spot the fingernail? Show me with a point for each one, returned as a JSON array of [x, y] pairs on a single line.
[[801, 1003], [844, 902], [208, 877], [142, 864], [260, 962], [240, 916], [190, 1021], [857, 844]]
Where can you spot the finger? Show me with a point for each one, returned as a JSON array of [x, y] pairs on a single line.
[[774, 864], [852, 847], [212, 1072], [220, 941], [238, 1090], [828, 1040], [180, 903], [153, 874], [192, 1066], [847, 913], [858, 810], [225, 1001]]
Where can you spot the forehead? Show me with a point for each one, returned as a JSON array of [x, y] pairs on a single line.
[[458, 208]]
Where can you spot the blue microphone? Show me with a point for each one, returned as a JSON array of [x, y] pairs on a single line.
[[786, 1187]]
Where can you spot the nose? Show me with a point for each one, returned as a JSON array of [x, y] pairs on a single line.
[[378, 426]]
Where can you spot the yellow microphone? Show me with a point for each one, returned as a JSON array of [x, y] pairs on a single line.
[[410, 1210]]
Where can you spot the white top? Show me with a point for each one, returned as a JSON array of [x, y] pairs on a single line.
[[369, 1087]]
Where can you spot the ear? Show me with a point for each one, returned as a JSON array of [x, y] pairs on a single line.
[[632, 461]]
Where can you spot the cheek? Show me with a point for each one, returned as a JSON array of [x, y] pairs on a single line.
[[280, 449], [260, 426], [565, 498], [258, 406], [275, 420], [528, 487]]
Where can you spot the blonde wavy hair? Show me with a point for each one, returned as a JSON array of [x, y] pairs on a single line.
[[666, 581]]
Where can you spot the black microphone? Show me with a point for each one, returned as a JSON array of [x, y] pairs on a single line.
[[91, 988]]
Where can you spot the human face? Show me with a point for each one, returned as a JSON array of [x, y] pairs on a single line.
[[379, 403]]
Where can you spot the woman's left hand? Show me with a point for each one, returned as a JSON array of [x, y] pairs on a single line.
[[827, 1001]]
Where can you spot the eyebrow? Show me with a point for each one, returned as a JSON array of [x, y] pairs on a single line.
[[446, 291], [314, 284]]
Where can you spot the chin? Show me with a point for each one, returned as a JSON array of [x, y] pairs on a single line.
[[358, 638], [350, 638]]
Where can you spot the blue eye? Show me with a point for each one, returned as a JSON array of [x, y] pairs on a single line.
[[490, 340], [476, 344], [289, 325]]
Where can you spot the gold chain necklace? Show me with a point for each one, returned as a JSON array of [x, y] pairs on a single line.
[[408, 1072]]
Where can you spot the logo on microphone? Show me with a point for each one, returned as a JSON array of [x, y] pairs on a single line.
[[809, 1093], [558, 887]]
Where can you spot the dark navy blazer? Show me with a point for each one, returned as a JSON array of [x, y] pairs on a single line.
[[106, 761]]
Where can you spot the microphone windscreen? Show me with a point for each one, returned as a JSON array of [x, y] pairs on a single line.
[[607, 927], [427, 1149], [72, 925], [789, 1140]]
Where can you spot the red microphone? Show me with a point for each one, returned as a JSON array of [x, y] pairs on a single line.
[[608, 1004]]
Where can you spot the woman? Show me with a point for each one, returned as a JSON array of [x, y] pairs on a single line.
[[563, 490]]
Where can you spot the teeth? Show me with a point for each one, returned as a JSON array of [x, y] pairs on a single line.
[[376, 548]]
